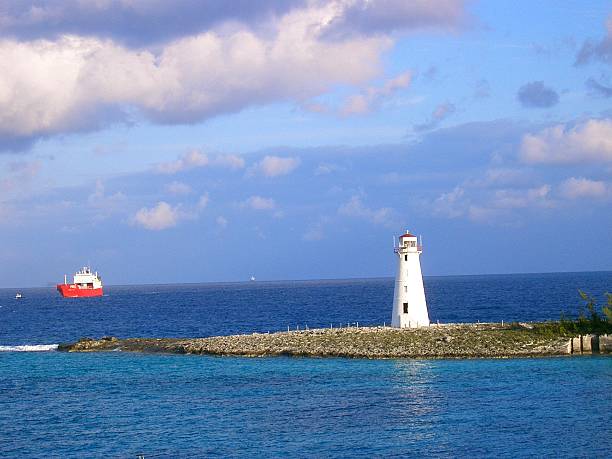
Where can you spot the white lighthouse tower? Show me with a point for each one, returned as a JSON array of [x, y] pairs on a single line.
[[409, 306]]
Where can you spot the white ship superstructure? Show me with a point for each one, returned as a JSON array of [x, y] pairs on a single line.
[[85, 283]]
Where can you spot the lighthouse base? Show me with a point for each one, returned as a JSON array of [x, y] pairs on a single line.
[[405, 323]]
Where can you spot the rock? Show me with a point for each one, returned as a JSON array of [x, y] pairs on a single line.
[[605, 344], [441, 341]]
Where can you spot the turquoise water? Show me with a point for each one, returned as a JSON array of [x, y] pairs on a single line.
[[120, 405]]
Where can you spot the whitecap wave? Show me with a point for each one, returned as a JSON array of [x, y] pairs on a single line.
[[29, 348]]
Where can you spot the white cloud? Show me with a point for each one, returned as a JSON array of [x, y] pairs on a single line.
[[498, 206], [195, 158], [160, 217], [589, 141], [505, 177], [178, 188], [355, 208], [451, 204], [163, 215], [575, 188], [373, 96], [229, 161], [105, 203], [274, 166], [516, 199], [259, 203], [90, 82], [440, 113], [189, 160]]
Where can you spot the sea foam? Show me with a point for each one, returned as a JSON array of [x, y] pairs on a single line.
[[29, 348]]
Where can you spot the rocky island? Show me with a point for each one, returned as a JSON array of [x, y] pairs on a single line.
[[491, 340]]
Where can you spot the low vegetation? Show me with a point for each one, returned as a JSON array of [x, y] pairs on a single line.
[[588, 322]]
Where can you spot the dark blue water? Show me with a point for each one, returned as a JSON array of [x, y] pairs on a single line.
[[219, 309], [120, 405]]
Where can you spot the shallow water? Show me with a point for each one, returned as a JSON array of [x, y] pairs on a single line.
[[119, 405]]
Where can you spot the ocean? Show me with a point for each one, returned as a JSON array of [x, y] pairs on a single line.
[[54, 404]]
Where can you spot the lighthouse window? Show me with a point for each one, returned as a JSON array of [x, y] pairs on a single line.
[[405, 257], [405, 308], [406, 288]]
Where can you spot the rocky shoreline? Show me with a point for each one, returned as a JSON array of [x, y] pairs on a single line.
[[437, 341]]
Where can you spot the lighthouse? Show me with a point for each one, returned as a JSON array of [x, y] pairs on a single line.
[[409, 306]]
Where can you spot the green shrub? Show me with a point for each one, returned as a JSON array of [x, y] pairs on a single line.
[[607, 310], [591, 322]]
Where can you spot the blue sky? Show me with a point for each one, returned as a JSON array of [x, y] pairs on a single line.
[[211, 141]]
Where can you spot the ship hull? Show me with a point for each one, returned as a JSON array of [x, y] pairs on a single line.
[[72, 291]]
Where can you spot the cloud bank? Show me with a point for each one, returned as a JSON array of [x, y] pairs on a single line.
[[576, 188], [259, 203], [70, 67], [589, 141], [134, 23]]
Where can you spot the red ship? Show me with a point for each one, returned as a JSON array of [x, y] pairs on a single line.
[[86, 284]]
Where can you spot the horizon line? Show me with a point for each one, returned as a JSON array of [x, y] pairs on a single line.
[[330, 279]]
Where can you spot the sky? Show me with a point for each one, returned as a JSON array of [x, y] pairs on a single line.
[[205, 141]]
